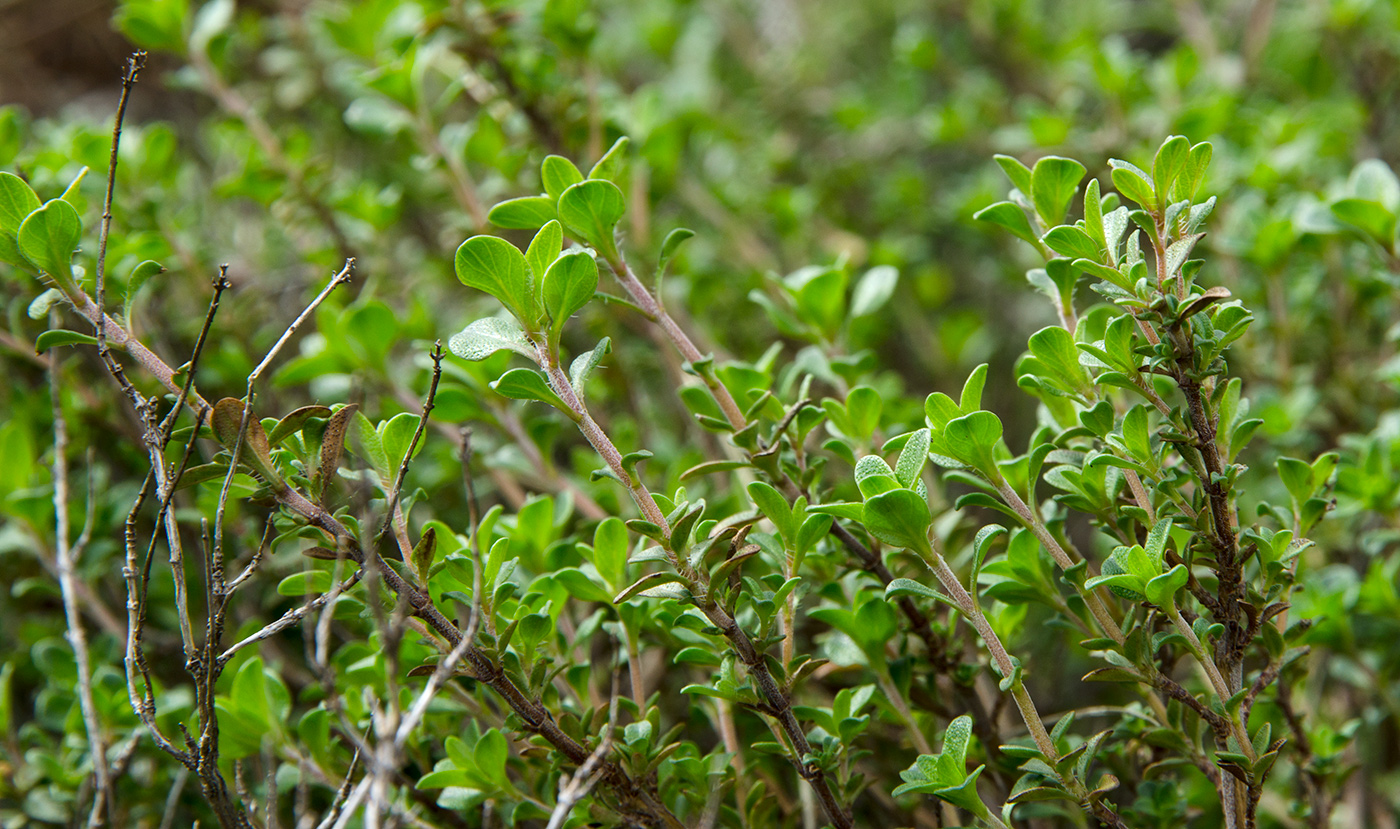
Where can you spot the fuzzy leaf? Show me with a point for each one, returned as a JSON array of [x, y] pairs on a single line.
[[485, 337]]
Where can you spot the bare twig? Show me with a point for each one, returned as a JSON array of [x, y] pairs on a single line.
[[134, 65], [64, 553]]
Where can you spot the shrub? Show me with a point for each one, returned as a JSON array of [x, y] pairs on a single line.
[[687, 589]]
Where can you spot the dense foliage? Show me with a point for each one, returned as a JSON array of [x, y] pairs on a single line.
[[929, 477]]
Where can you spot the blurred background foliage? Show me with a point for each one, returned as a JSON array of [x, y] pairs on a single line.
[[279, 137]]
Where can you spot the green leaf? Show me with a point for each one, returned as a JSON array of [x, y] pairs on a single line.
[[1367, 216], [956, 739], [48, 236], [971, 398], [525, 213], [1193, 172], [908, 587], [139, 276], [1171, 158], [912, 458], [1133, 183], [1011, 217], [493, 265], [1071, 242], [973, 439], [558, 174], [590, 210], [1019, 173], [1156, 545], [873, 290], [568, 286], [863, 407], [423, 553], [874, 476], [1055, 350], [1093, 214], [59, 337], [544, 248], [776, 507], [899, 517], [1297, 477], [610, 551], [669, 247], [849, 510], [609, 167], [1161, 589], [583, 364], [485, 337], [293, 422], [395, 434], [17, 201], [1117, 578], [1054, 181], [528, 384], [308, 583], [490, 754]]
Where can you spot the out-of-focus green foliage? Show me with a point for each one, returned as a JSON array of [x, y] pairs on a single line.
[[829, 158]]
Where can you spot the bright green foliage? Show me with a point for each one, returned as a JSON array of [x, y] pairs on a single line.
[[717, 569]]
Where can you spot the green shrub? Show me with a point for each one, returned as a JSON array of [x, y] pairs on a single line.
[[368, 578]]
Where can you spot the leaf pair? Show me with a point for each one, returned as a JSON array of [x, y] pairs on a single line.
[[945, 775], [541, 288], [1136, 572], [588, 208]]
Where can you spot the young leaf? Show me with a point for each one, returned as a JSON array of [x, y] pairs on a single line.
[[590, 210], [776, 507], [1072, 242], [973, 439], [900, 518], [971, 398], [1012, 218], [544, 248], [528, 384], [1093, 214], [525, 213], [139, 275], [583, 364], [56, 337], [1054, 181], [609, 167], [568, 286], [1133, 183], [610, 551], [669, 247], [1019, 173], [558, 174], [1171, 158], [493, 265], [912, 458], [17, 201], [48, 236]]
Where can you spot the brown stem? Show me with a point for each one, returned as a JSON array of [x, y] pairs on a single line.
[[778, 705], [654, 310]]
